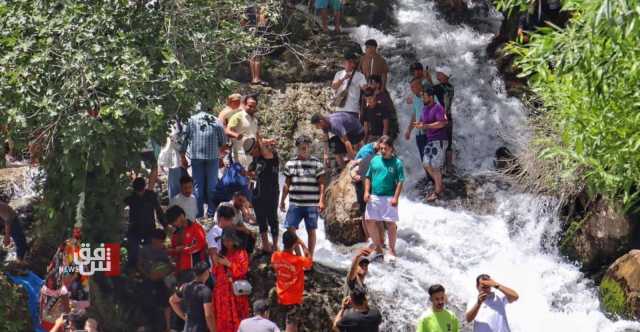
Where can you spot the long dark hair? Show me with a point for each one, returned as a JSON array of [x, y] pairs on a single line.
[[230, 233]]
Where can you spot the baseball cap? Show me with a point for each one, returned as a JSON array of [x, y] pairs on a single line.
[[446, 71]]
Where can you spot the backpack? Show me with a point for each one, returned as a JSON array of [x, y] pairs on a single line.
[[233, 179]]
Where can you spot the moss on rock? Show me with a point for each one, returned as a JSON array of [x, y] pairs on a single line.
[[613, 297]]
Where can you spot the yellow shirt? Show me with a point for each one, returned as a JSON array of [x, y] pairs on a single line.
[[246, 125]]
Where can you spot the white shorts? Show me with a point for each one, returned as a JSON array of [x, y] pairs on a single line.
[[379, 208]]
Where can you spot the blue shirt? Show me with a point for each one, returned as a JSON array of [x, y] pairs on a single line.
[[365, 151], [204, 136]]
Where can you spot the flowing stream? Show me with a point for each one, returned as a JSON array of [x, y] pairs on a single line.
[[516, 244]]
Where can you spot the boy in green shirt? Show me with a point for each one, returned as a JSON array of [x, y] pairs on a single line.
[[438, 319], [382, 188]]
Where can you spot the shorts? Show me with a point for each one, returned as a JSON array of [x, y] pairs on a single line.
[[379, 208], [149, 159], [336, 5], [293, 313], [295, 214], [337, 147], [435, 154]]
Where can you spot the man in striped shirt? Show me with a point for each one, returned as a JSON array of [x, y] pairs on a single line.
[[204, 137], [304, 185]]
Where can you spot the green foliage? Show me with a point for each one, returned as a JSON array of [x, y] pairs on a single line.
[[613, 297], [567, 243], [10, 294], [588, 76]]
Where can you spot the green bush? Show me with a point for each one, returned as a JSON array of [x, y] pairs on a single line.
[[613, 298], [588, 76]]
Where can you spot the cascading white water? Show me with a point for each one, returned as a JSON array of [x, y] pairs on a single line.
[[436, 245]]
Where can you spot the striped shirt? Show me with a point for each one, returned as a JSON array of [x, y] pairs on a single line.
[[204, 136], [305, 187]]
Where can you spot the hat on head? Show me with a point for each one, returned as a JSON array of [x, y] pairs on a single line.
[[249, 144], [260, 306], [446, 71]]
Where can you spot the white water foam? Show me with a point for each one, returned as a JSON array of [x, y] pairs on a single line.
[[515, 245]]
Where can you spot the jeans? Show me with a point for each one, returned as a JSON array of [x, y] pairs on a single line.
[[205, 178], [174, 180], [295, 214]]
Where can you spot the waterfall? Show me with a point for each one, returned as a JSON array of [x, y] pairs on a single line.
[[515, 245]]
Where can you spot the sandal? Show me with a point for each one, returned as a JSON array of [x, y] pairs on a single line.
[[433, 197]]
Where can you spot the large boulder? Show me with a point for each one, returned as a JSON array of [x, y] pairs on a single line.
[[603, 234], [342, 217], [620, 288], [323, 292]]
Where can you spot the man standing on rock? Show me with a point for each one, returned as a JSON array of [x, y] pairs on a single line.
[[372, 63], [444, 91], [204, 136], [382, 188], [347, 85], [487, 311], [323, 7], [438, 319], [343, 135], [243, 125], [304, 184], [434, 121], [289, 268], [378, 110]]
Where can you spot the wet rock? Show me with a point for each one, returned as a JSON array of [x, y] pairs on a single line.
[[322, 294], [342, 216], [603, 234], [620, 288]]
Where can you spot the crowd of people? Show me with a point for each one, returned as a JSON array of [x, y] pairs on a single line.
[[222, 176]]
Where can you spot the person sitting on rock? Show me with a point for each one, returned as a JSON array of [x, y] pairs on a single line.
[[358, 272], [438, 319], [487, 310], [13, 230], [382, 188], [304, 184], [356, 315], [185, 198], [289, 267], [343, 135], [434, 121]]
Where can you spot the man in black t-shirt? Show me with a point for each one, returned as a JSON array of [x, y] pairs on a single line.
[[144, 211], [378, 111], [198, 315], [356, 316]]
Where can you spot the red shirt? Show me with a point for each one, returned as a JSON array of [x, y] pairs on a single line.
[[290, 276], [193, 238]]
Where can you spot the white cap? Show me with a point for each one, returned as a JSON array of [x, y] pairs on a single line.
[[444, 70]]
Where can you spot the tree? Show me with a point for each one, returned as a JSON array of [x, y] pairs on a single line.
[[588, 75]]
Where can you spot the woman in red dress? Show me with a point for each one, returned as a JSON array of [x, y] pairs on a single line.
[[232, 265]]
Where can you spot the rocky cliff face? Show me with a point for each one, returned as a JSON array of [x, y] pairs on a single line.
[[620, 288]]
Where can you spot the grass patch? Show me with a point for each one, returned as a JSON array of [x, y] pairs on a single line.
[[613, 297]]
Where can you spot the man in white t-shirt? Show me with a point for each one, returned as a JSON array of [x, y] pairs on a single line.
[[358, 83], [185, 198], [488, 310]]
